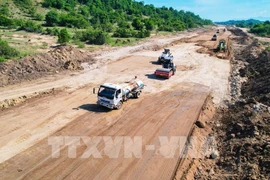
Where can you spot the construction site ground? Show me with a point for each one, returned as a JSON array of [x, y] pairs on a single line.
[[63, 105]]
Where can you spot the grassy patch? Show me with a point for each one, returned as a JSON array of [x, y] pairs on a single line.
[[2, 59], [79, 43], [122, 41], [265, 43], [26, 43]]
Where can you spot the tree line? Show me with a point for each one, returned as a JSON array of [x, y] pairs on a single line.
[[262, 29], [241, 23]]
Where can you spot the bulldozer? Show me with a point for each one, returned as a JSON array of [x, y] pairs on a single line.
[[221, 45]]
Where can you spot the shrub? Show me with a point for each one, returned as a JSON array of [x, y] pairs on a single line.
[[52, 32], [31, 26], [5, 21], [6, 51], [32, 11], [73, 20], [143, 34], [92, 36], [39, 17], [23, 3], [63, 36], [2, 59], [4, 10], [124, 33]]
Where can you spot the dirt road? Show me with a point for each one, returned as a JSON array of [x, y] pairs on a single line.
[[174, 116], [167, 108]]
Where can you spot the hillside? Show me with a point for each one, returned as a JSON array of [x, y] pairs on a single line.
[[89, 21]]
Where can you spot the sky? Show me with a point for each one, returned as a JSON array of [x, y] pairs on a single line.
[[219, 10]]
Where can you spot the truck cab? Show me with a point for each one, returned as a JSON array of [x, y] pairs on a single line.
[[112, 96]]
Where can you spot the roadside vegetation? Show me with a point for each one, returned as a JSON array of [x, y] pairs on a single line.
[[95, 21], [6, 52], [262, 29]]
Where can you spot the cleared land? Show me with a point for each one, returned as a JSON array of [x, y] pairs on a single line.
[[166, 108]]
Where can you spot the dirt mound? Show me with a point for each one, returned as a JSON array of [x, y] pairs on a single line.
[[249, 52], [241, 36], [35, 66], [258, 73], [238, 32], [244, 142]]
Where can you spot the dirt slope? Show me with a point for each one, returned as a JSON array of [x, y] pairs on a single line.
[[35, 66], [242, 129]]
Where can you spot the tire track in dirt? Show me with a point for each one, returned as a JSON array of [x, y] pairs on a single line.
[[63, 167]]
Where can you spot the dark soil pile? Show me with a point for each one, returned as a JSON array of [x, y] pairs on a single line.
[[35, 66], [241, 36], [244, 142], [258, 73], [243, 133]]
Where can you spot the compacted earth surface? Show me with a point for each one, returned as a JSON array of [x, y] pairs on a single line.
[[209, 120]]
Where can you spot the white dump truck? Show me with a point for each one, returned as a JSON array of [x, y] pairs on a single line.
[[112, 96]]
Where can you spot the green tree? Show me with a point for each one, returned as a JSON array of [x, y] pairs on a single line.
[[137, 23], [149, 24], [63, 36], [52, 18], [4, 10]]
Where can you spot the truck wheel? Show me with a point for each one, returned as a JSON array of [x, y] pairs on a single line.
[[119, 105], [125, 98], [137, 94]]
